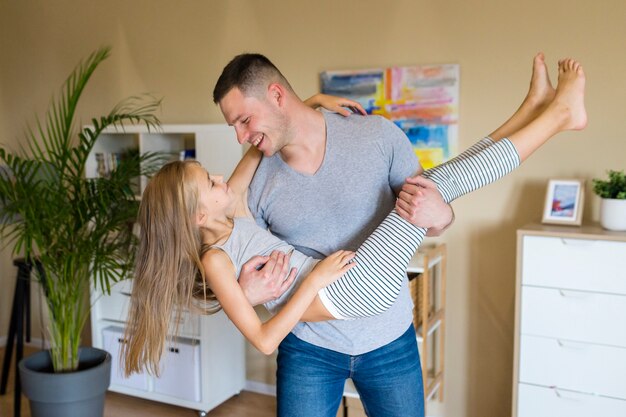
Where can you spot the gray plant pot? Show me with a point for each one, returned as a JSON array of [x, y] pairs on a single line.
[[71, 394]]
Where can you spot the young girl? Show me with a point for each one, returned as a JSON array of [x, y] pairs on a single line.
[[196, 234]]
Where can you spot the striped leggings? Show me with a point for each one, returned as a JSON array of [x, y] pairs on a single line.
[[373, 285]]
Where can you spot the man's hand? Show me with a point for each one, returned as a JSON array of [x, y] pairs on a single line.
[[265, 278], [421, 204]]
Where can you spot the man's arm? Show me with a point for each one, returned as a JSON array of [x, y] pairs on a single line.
[[418, 199], [420, 203]]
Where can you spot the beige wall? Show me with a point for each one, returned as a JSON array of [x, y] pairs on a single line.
[[177, 49]]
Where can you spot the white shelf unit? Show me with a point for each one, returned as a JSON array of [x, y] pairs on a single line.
[[429, 267], [570, 343], [215, 145], [428, 289], [206, 365]]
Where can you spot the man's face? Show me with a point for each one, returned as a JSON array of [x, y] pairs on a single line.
[[256, 121]]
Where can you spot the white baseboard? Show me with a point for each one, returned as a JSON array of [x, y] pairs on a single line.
[[260, 388]]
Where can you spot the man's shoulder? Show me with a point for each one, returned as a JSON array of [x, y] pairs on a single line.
[[359, 122], [372, 130]]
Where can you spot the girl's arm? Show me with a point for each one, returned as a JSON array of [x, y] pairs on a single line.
[[241, 177], [340, 105], [221, 277]]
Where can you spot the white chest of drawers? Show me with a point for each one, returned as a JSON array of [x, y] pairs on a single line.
[[570, 322]]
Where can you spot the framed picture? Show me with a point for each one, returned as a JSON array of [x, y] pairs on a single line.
[[564, 202]]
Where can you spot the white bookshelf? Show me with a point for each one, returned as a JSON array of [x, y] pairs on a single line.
[[215, 145]]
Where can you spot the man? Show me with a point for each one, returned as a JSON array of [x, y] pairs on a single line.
[[324, 184]]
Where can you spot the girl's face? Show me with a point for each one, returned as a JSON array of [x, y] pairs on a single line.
[[215, 199]]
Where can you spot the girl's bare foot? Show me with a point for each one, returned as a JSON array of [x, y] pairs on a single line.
[[565, 112], [541, 93], [569, 101]]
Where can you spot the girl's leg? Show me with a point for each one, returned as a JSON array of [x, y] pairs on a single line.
[[372, 286], [540, 95]]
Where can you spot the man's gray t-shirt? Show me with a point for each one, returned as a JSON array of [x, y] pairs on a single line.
[[336, 208]]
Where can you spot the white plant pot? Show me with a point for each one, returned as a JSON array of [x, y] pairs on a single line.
[[613, 214]]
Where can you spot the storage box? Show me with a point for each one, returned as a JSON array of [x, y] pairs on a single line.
[[180, 370], [113, 338]]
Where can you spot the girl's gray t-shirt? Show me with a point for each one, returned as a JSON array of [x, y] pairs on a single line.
[[338, 207]]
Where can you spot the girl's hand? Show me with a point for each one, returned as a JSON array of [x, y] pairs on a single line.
[[335, 265], [340, 105]]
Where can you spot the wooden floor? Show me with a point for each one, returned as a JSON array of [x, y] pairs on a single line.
[[243, 405]]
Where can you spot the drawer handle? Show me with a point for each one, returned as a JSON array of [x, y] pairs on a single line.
[[570, 345], [573, 294], [577, 242], [126, 293], [571, 396]]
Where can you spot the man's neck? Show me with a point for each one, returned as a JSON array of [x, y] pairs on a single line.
[[305, 152]]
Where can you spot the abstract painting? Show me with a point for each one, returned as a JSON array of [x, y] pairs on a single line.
[[422, 100]]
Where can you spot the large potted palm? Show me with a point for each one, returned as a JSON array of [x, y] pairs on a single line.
[[78, 229]]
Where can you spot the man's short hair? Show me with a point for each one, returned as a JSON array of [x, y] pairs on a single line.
[[249, 73]]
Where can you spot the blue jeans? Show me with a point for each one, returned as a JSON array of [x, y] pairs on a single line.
[[310, 379]]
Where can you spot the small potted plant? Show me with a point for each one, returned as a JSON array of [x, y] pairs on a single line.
[[613, 195]]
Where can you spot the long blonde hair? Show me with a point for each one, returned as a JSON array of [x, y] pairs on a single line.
[[168, 270]]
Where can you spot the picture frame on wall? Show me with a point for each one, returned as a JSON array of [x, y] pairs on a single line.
[[564, 202]]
